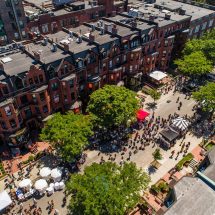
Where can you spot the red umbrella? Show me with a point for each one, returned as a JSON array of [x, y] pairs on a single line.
[[141, 115]]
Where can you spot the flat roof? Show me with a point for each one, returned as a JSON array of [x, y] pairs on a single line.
[[126, 20], [99, 38], [193, 196], [73, 45], [123, 31], [192, 10], [47, 5], [19, 63], [47, 55]]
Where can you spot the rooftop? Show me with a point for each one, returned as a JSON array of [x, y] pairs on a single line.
[[47, 53], [16, 63], [62, 37], [40, 6], [193, 197], [99, 38], [128, 21], [210, 170]]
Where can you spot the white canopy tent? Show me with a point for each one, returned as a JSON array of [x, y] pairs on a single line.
[[45, 172], [25, 183], [180, 123], [56, 174], [41, 185], [157, 75], [5, 200]]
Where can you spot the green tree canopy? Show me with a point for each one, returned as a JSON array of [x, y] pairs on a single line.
[[206, 46], [106, 189], [157, 155], [154, 94], [194, 64], [206, 95], [112, 105], [68, 133]]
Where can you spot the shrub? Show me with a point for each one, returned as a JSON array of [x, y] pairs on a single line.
[[181, 163]]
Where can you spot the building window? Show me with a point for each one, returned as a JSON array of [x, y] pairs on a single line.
[[132, 56], [166, 43], [125, 46], [80, 63], [42, 96], [31, 82], [71, 83], [21, 24], [13, 123], [41, 78], [37, 110], [124, 58], [3, 125], [211, 23], [19, 13], [8, 3], [110, 64], [134, 43], [8, 111], [36, 81], [204, 25], [5, 90], [56, 98], [28, 113], [54, 86], [24, 99], [197, 28], [45, 28], [45, 109]]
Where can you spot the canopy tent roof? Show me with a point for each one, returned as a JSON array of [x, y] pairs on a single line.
[[56, 173], [40, 184], [157, 75], [25, 183], [5, 200], [141, 115], [45, 172], [180, 123], [169, 134]]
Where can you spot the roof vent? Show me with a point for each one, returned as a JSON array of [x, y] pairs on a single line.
[[79, 40], [54, 47], [45, 41], [71, 34], [6, 60]]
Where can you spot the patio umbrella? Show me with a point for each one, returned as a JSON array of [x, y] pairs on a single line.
[[56, 174], [141, 115], [41, 184], [180, 123], [25, 183], [45, 172]]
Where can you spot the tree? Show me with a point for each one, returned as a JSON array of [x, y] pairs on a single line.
[[206, 46], [68, 133], [112, 106], [106, 189], [206, 95], [154, 94], [194, 64], [157, 155]]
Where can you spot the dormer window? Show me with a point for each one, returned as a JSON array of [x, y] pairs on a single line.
[[66, 70], [80, 63]]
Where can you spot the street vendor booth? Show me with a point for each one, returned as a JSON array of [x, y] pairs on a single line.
[[5, 200], [168, 137], [141, 115], [158, 77]]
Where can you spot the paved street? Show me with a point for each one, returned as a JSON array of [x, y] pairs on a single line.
[[142, 158]]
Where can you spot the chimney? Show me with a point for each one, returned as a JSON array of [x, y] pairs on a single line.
[[37, 56], [114, 29], [152, 18], [126, 5], [66, 46], [167, 16], [113, 13], [182, 11], [1, 66], [91, 37], [134, 24]]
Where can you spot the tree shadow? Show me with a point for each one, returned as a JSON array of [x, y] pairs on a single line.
[[151, 106], [151, 170]]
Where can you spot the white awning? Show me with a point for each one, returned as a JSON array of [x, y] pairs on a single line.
[[157, 75], [5, 200]]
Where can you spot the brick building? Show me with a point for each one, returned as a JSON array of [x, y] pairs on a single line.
[[57, 71], [12, 21]]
